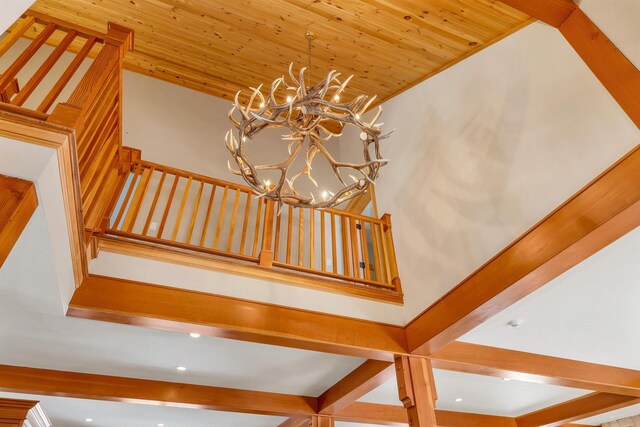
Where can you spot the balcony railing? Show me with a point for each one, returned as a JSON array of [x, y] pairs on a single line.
[[70, 90], [166, 206]]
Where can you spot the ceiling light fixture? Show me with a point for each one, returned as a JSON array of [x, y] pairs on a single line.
[[160, 425], [194, 335], [507, 379], [88, 420], [459, 399], [181, 368], [312, 116]]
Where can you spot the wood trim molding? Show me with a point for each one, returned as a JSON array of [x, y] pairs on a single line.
[[296, 422], [616, 73], [14, 412], [17, 379], [502, 363], [18, 202], [603, 211], [38, 132], [552, 12], [365, 378], [576, 409], [160, 307]]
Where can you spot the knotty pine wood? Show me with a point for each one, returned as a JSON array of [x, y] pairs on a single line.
[[224, 46], [18, 202]]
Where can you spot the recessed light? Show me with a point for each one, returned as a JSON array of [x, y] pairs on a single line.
[[507, 379], [194, 335], [516, 323], [181, 368], [459, 399], [160, 425], [88, 420]]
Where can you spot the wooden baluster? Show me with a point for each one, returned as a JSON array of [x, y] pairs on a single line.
[[67, 75], [245, 222], [15, 33], [208, 215], [125, 201], [385, 258], [364, 249], [323, 249], [233, 220], [152, 209], [312, 220], [344, 232], [11, 72], [194, 215], [300, 236], [221, 217], [165, 215], [136, 202], [289, 229], [391, 252], [257, 229], [355, 256], [266, 255], [334, 248], [376, 253], [277, 238], [181, 210], [44, 69]]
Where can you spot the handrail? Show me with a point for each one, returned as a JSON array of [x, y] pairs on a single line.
[[172, 207]]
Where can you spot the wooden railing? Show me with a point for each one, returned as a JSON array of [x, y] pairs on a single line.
[[162, 205], [93, 106]]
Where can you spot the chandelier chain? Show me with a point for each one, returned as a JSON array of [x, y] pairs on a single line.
[[310, 36]]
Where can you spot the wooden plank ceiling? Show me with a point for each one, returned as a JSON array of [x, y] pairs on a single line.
[[222, 46]]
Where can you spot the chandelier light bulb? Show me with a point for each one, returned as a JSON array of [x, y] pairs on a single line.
[[325, 196], [336, 97], [262, 105], [289, 99], [358, 116]]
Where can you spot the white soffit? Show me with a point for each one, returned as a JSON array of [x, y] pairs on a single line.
[[629, 411], [483, 395], [69, 412], [589, 313], [620, 21]]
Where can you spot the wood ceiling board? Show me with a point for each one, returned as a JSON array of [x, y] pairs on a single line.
[[225, 46]]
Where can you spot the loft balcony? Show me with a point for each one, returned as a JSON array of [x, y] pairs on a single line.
[[133, 206]]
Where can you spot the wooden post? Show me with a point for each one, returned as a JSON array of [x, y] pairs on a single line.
[[18, 201], [322, 421], [416, 389], [266, 253], [391, 252], [13, 412]]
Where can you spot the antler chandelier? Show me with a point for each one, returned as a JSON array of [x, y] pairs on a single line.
[[312, 116]]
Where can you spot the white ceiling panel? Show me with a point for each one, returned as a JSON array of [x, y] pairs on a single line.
[[67, 412], [589, 313], [483, 395], [629, 411]]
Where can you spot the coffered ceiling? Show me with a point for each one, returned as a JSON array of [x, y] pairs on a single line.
[[220, 47]]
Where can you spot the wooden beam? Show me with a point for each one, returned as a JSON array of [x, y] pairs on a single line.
[[392, 415], [600, 213], [18, 202], [417, 390], [576, 409], [552, 12], [160, 307], [13, 412], [322, 421], [296, 422], [16, 379], [498, 362], [365, 378], [617, 74]]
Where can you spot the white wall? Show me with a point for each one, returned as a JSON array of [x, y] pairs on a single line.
[[487, 148], [11, 11]]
